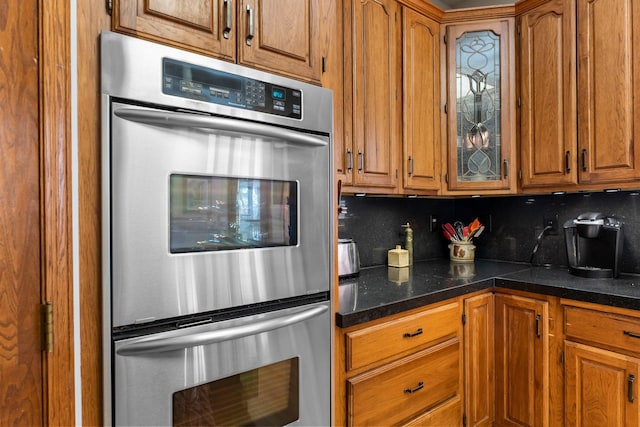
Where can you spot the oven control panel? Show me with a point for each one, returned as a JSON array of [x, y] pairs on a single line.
[[219, 87]]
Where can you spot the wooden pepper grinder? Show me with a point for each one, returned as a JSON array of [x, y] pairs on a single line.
[[408, 241]]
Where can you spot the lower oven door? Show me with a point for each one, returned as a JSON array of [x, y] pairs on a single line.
[[267, 369]]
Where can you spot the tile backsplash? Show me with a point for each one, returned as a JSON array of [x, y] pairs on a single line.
[[512, 225]]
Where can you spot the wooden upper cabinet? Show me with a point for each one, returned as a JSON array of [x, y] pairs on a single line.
[[421, 87], [609, 90], [582, 131], [548, 140], [204, 26], [372, 91], [481, 107], [281, 36]]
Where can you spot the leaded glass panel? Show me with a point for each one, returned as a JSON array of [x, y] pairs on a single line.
[[478, 106]]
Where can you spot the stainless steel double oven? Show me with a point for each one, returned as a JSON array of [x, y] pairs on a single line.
[[217, 241]]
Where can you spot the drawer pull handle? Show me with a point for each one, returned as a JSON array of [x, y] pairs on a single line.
[[630, 381], [412, 334], [631, 334], [413, 390]]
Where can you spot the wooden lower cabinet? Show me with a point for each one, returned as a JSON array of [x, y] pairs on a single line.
[[602, 352], [405, 369], [522, 365], [398, 391], [479, 360], [601, 387]]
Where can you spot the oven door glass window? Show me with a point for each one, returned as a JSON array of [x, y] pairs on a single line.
[[267, 396], [213, 213]]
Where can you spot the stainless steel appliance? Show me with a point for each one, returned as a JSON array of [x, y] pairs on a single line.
[[594, 244], [217, 241], [348, 258]]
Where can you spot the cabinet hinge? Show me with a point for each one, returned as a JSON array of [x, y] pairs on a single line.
[[46, 311], [109, 6], [464, 319], [464, 419], [324, 64]]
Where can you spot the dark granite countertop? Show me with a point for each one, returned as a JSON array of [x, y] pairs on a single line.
[[382, 291]]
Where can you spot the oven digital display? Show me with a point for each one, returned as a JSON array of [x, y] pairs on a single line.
[[214, 213], [277, 93]]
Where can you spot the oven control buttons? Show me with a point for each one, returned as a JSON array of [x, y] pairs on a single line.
[[219, 87]]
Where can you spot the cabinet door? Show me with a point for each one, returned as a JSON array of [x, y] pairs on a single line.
[[548, 95], [522, 369], [480, 106], [421, 87], [372, 85], [281, 36], [479, 360], [204, 26], [601, 387], [609, 90]]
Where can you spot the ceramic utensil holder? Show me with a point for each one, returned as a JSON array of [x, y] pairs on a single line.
[[462, 251]]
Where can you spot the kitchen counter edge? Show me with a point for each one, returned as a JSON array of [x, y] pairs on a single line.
[[622, 292]]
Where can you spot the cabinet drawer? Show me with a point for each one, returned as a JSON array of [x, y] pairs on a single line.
[[375, 343], [448, 414], [400, 390], [612, 330]]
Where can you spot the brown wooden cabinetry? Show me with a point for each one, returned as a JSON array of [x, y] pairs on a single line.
[[480, 100], [391, 99], [604, 148], [402, 370], [479, 360], [372, 84], [548, 136], [282, 36], [421, 111], [602, 367], [522, 367]]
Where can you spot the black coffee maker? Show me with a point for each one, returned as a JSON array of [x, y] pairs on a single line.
[[594, 245]]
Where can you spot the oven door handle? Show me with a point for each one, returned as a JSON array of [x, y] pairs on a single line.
[[169, 341], [189, 120]]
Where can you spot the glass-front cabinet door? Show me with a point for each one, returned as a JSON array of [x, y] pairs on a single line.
[[480, 107]]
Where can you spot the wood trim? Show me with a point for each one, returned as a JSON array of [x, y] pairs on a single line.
[[56, 243], [527, 5], [425, 8], [467, 15], [92, 19]]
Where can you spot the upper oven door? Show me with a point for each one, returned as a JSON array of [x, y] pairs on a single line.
[[212, 212]]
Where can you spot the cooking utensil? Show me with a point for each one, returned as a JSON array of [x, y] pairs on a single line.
[[452, 231]]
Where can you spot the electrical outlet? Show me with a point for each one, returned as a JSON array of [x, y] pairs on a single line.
[[433, 223], [551, 221], [487, 221]]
